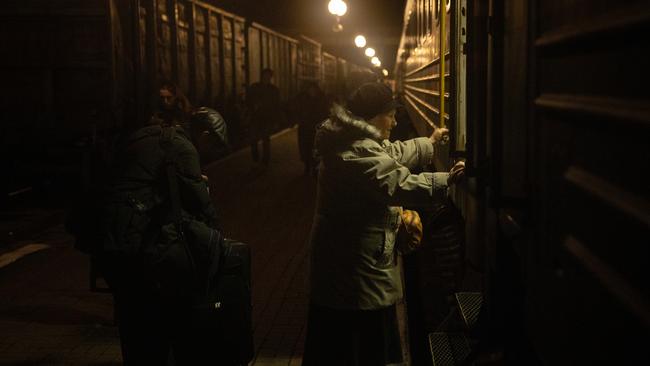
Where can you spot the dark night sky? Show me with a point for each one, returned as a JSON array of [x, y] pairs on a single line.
[[379, 20]]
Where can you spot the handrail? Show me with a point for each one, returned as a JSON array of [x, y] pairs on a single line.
[[443, 38]]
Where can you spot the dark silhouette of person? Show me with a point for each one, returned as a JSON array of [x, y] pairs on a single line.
[[151, 325], [264, 112], [312, 108]]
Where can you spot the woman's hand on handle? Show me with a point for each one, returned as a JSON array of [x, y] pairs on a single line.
[[440, 136]]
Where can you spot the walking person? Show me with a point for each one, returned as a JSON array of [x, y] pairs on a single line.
[[363, 180], [265, 114], [312, 109]]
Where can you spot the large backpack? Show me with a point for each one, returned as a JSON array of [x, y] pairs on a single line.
[[221, 297], [209, 134]]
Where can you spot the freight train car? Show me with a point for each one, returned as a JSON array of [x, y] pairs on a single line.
[[79, 72], [544, 103], [329, 78]]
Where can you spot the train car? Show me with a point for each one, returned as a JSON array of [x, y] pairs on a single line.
[[543, 103], [270, 49], [309, 60], [92, 68], [342, 73], [328, 77]]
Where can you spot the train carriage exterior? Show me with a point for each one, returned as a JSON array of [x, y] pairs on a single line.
[[94, 66], [544, 103], [329, 74]]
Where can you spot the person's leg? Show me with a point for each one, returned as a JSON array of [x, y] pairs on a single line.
[[142, 335], [379, 341], [330, 338]]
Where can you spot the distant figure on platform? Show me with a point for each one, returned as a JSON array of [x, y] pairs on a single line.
[[363, 180], [264, 113], [205, 126], [312, 108]]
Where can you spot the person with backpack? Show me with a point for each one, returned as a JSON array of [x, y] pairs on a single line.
[[154, 234], [205, 127]]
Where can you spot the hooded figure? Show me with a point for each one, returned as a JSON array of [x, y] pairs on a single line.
[[363, 181]]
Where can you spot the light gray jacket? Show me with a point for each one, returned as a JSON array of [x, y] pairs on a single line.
[[362, 183]]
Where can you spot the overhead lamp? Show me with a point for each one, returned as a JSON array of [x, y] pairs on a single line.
[[375, 61], [385, 72], [337, 7], [360, 41], [370, 52]]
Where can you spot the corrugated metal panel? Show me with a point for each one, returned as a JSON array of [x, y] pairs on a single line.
[[591, 127], [228, 72], [309, 59], [329, 74], [202, 72], [183, 44], [240, 64], [215, 60], [163, 41], [254, 54]]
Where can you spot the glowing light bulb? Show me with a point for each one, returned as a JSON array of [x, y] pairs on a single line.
[[370, 52], [360, 41], [337, 7]]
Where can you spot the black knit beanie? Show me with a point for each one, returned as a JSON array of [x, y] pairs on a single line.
[[371, 99]]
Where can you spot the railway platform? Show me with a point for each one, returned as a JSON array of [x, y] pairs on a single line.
[[49, 316]]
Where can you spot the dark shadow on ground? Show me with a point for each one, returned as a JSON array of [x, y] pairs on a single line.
[[55, 315]]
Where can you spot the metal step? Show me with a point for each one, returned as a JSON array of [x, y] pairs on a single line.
[[469, 305], [448, 349]]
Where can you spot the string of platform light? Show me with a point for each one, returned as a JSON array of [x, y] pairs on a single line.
[[339, 8]]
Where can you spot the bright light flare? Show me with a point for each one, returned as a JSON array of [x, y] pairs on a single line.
[[370, 52], [360, 41], [337, 7], [385, 72], [375, 61]]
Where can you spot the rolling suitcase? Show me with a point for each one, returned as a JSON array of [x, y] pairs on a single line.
[[223, 316]]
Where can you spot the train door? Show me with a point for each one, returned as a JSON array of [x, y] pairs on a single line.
[[588, 262]]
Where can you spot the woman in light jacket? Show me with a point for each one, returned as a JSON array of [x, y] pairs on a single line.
[[363, 180]]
